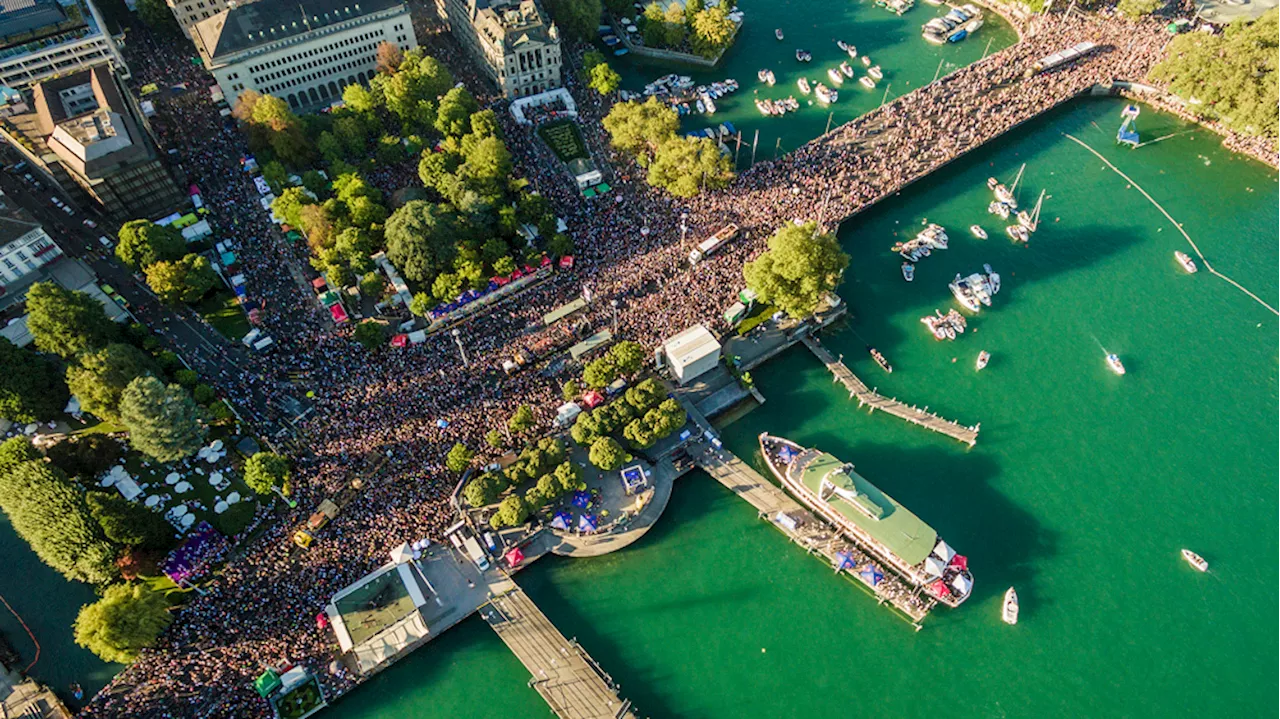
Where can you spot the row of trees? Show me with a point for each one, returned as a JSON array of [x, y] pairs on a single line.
[[624, 359], [641, 426], [681, 165], [532, 463], [160, 252], [706, 31]]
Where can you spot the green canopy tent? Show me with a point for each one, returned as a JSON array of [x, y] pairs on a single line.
[[267, 683]]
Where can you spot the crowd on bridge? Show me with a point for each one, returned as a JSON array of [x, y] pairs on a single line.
[[388, 417]]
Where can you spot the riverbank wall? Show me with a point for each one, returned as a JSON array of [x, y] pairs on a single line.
[[669, 55]]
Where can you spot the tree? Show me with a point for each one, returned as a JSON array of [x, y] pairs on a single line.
[[421, 304], [570, 391], [1230, 77], [487, 167], [798, 269], [504, 266], [569, 476], [446, 287], [276, 175], [370, 334], [421, 240], [129, 523], [359, 98], [1138, 8], [99, 378], [156, 15], [389, 57], [50, 513], [560, 245], [639, 434], [164, 422], [586, 429], [628, 357], [522, 420], [655, 25], [453, 116], [266, 472], [66, 322], [684, 166], [712, 30], [495, 439], [512, 512], [316, 183], [666, 418], [600, 373], [142, 242], [675, 30], [85, 456], [481, 491], [186, 280], [31, 388], [579, 18], [645, 396], [604, 79], [634, 127], [485, 124], [459, 457], [128, 618], [15, 451], [607, 454]]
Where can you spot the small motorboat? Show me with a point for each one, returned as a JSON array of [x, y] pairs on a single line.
[[804, 86], [983, 358], [701, 107], [77, 691], [978, 232], [1018, 233], [999, 209], [766, 76], [1009, 612], [842, 45], [875, 73], [866, 61], [853, 51], [908, 271], [1187, 263], [803, 55], [778, 33], [1114, 363], [846, 70], [880, 359], [867, 82], [1195, 560], [836, 78], [825, 94]]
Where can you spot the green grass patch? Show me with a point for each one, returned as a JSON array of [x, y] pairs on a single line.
[[758, 315], [564, 139], [221, 310], [100, 427]]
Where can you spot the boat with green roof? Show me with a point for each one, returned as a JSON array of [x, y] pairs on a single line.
[[876, 522]]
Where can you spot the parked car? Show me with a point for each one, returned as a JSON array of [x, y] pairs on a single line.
[[90, 224], [107, 243]]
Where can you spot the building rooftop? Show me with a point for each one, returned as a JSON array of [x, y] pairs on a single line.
[[21, 16], [511, 23], [84, 120], [14, 222], [268, 21]]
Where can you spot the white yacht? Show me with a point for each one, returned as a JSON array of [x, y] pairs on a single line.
[[804, 86], [1187, 263], [984, 357], [846, 70], [867, 82], [836, 78], [978, 232], [875, 73], [1114, 363], [1009, 613], [1195, 560], [908, 271], [825, 94]]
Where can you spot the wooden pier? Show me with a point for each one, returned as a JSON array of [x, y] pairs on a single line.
[[569, 680], [868, 397], [806, 530]]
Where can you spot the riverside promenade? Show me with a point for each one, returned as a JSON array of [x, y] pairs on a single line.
[[564, 675], [869, 398]]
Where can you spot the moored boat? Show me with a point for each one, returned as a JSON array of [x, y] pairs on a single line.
[[834, 74], [978, 232], [803, 55], [851, 51], [1187, 263], [875, 73], [1018, 233], [846, 70], [766, 76], [887, 531], [999, 209], [1195, 560], [984, 357], [1114, 363], [842, 44], [825, 94], [867, 82], [1009, 612], [804, 86], [908, 271], [777, 33], [866, 61], [880, 359]]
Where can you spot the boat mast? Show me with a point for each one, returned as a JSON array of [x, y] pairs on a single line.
[[1035, 212], [1017, 179]]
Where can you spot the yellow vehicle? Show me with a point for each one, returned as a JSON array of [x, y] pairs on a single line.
[[303, 538]]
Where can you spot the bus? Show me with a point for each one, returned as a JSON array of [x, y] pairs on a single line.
[[712, 243]]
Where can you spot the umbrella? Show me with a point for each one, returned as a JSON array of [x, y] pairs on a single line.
[[182, 487], [586, 523], [153, 500], [933, 567], [872, 574], [844, 560], [581, 499], [515, 557], [218, 508], [172, 478], [108, 480], [188, 520], [179, 510], [442, 423], [233, 498], [561, 521], [944, 552], [960, 562], [216, 445], [940, 588], [961, 583]]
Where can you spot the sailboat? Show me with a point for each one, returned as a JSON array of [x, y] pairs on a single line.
[[1031, 220], [1004, 194]]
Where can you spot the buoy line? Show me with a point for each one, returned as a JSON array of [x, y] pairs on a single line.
[[1175, 223]]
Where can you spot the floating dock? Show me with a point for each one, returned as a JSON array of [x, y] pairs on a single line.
[[566, 677], [867, 397]]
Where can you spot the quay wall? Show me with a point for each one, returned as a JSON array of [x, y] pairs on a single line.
[[669, 55]]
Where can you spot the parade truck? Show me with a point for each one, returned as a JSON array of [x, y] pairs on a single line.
[[712, 243]]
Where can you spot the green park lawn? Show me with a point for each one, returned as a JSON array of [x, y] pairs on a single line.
[[221, 310], [564, 139]]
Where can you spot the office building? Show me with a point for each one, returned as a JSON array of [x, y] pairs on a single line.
[[512, 40], [43, 38], [24, 246], [190, 12]]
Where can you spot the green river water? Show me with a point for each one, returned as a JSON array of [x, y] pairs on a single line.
[[1080, 492]]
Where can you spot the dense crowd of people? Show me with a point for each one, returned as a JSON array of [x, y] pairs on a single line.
[[399, 410]]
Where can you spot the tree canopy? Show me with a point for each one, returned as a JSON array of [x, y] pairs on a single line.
[[128, 522], [1230, 77], [128, 618], [459, 457], [185, 280], [99, 378], [66, 322], [266, 471], [50, 513], [31, 388], [607, 454], [799, 268], [164, 422], [579, 18], [141, 243], [684, 166], [420, 239], [636, 127]]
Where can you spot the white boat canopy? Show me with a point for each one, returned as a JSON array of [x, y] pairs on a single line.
[[962, 584], [944, 551], [934, 566]]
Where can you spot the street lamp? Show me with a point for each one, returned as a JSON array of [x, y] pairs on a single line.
[[614, 305], [684, 227], [457, 339]]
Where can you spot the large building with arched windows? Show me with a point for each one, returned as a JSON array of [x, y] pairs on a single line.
[[302, 51], [513, 41]]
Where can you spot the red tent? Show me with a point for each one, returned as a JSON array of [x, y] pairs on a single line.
[[593, 398], [940, 588], [960, 562], [545, 261], [339, 314], [515, 557], [400, 340], [318, 284], [566, 262]]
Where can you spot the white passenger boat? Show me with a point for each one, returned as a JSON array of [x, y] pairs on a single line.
[[835, 76], [778, 33], [846, 70], [1114, 363], [978, 232], [983, 358], [867, 82], [852, 51], [1195, 560], [842, 45], [1009, 613], [875, 73], [1187, 263], [804, 86], [825, 94], [908, 271]]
